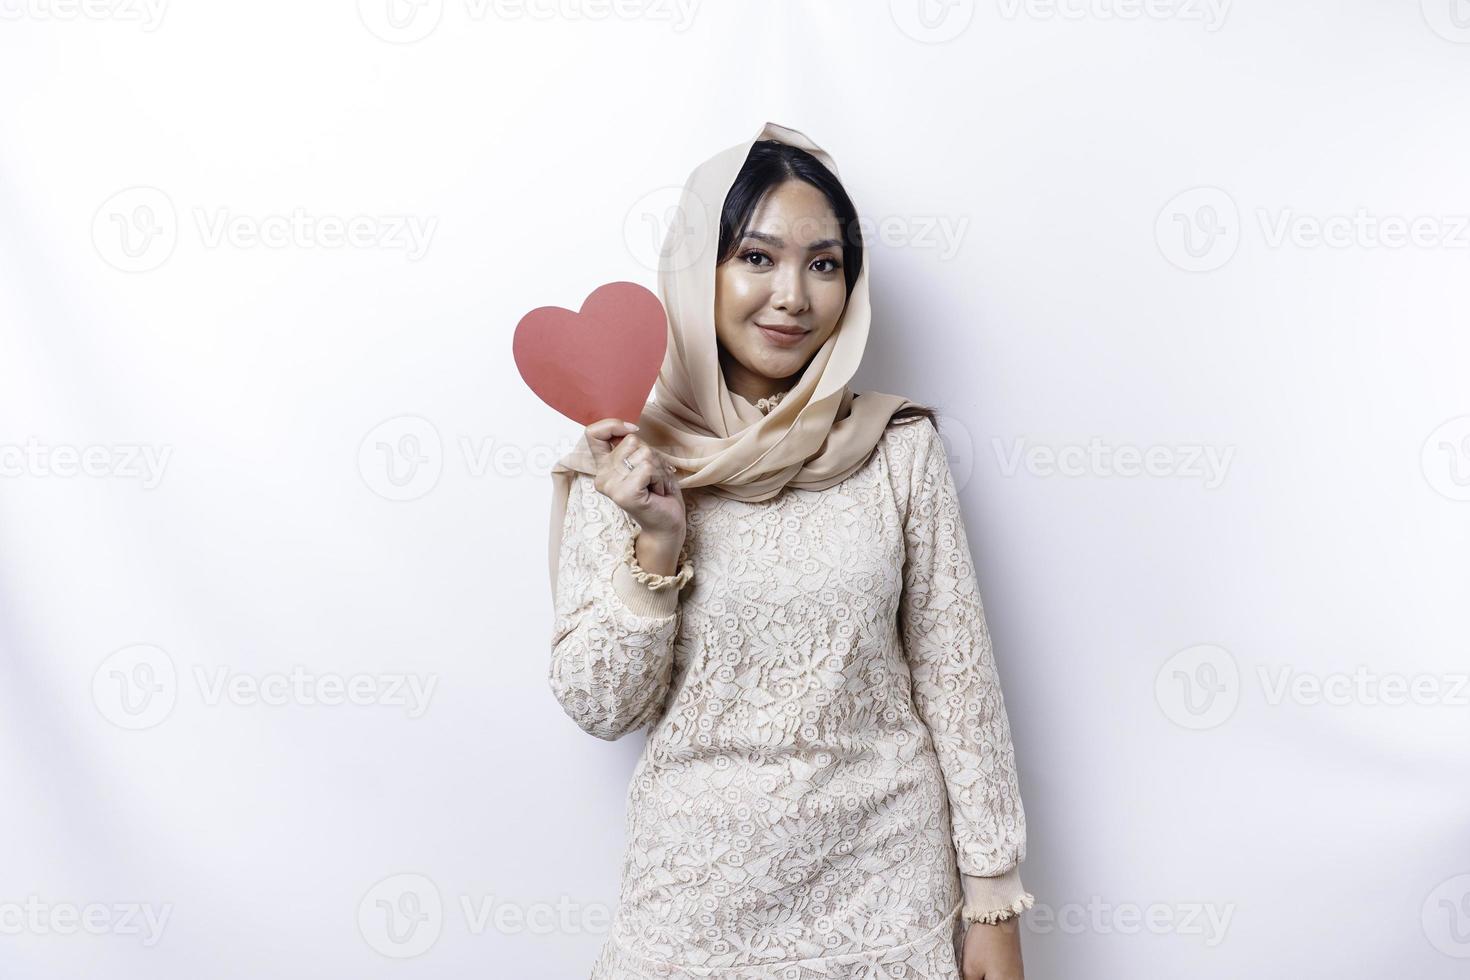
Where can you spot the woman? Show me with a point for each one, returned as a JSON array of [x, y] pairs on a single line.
[[828, 789]]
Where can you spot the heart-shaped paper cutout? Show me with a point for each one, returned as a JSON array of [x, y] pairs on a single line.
[[599, 362]]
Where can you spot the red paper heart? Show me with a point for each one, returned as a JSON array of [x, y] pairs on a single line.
[[599, 362]]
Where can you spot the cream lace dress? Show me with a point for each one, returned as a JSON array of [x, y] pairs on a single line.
[[828, 788]]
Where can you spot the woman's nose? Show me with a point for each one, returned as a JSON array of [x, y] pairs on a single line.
[[789, 295]]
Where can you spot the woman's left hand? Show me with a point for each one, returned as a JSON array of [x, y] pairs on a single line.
[[993, 952]]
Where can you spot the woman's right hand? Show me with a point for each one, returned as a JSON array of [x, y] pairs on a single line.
[[648, 492]]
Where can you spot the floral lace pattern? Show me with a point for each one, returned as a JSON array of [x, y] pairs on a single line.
[[827, 746], [769, 402]]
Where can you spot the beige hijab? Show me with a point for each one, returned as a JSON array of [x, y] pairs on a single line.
[[819, 432]]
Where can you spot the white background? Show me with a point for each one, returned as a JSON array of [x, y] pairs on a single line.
[[1085, 215]]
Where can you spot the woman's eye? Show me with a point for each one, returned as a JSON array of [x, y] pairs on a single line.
[[753, 256]]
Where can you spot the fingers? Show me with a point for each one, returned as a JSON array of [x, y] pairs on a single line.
[[600, 436], [645, 472], [671, 485], [631, 465], [629, 471], [619, 467]]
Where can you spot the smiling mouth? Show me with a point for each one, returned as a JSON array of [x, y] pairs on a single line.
[[782, 336]]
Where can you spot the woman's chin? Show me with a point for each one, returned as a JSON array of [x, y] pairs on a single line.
[[781, 364]]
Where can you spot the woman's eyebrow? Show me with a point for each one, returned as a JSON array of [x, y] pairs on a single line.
[[780, 243]]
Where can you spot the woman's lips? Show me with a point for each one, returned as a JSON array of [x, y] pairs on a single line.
[[781, 338]]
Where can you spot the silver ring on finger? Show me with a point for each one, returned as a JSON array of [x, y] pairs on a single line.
[[629, 464]]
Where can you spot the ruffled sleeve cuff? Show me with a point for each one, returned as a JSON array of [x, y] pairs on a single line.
[[639, 598], [995, 899]]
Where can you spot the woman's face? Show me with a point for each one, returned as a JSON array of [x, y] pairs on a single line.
[[786, 273]]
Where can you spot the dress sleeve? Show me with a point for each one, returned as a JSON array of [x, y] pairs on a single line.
[[957, 688], [612, 641]]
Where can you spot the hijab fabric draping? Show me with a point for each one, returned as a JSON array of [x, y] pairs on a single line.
[[819, 432]]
